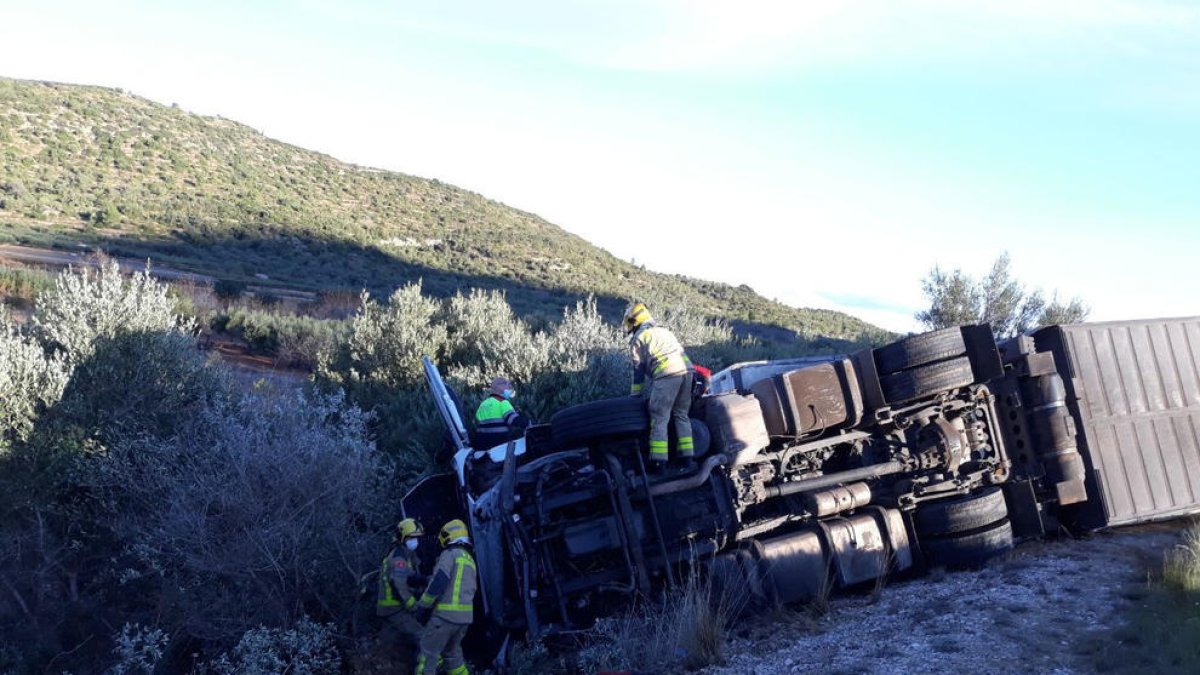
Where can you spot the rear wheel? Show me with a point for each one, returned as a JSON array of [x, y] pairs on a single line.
[[964, 531], [927, 380], [960, 514], [969, 549], [919, 350]]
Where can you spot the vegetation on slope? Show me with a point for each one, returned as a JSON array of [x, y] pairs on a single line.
[[134, 472], [102, 167]]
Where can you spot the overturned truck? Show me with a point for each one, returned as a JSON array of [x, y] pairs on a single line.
[[939, 449]]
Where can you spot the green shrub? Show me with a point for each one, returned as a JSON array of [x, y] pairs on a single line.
[[294, 341], [139, 489], [229, 289], [30, 381], [24, 284]]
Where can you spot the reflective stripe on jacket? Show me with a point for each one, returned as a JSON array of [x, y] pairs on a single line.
[[394, 593], [656, 353], [451, 590], [496, 415]]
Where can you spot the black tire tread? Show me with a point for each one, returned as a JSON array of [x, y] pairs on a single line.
[[971, 549], [927, 380], [606, 418], [960, 514], [918, 350]]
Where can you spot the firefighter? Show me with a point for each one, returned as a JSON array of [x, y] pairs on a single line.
[[395, 600], [447, 606], [659, 358], [496, 420]]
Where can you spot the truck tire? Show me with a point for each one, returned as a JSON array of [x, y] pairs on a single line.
[[969, 549], [927, 380], [959, 514], [606, 418], [918, 350]]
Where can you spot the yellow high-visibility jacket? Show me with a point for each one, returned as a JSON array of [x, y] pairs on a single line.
[[451, 590], [656, 353], [394, 594]]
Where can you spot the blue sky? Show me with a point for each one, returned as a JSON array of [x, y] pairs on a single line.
[[827, 154]]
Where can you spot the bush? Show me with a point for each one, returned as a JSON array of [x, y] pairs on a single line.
[[261, 511], [387, 341], [89, 304], [30, 381], [139, 489], [138, 649], [306, 649], [294, 341], [486, 340], [229, 289], [19, 284]]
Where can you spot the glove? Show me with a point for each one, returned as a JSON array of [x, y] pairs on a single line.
[[422, 614]]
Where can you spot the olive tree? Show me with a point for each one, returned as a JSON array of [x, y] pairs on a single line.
[[487, 340], [30, 381], [386, 341], [262, 511], [88, 304], [956, 298]]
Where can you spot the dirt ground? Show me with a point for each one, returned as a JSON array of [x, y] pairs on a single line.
[[1031, 611]]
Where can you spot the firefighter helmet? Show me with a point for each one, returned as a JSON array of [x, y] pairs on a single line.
[[452, 532], [636, 315], [409, 527]]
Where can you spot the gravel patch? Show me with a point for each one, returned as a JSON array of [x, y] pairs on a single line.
[[1026, 612]]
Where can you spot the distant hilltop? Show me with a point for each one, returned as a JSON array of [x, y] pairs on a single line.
[[101, 167]]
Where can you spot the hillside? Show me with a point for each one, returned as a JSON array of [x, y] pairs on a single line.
[[100, 167]]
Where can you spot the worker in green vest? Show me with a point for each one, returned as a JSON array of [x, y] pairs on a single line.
[[448, 603], [496, 420], [395, 600]]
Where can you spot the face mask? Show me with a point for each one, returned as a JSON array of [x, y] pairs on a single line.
[[411, 544], [509, 393]]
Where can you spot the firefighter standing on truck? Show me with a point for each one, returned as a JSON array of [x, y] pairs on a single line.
[[448, 603], [661, 373], [395, 600]]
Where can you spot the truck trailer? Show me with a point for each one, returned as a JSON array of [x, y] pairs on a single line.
[[940, 449]]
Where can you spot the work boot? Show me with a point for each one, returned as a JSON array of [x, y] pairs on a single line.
[[656, 468]]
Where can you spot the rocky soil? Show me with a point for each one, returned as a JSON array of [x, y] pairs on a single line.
[[1043, 608]]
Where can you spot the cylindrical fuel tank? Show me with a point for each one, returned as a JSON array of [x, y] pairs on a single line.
[[1054, 435], [801, 565], [837, 499]]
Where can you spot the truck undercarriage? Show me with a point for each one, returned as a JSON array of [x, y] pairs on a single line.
[[935, 450]]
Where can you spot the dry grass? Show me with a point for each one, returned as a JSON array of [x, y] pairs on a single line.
[[20, 285], [687, 630], [1162, 629], [1181, 566]]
